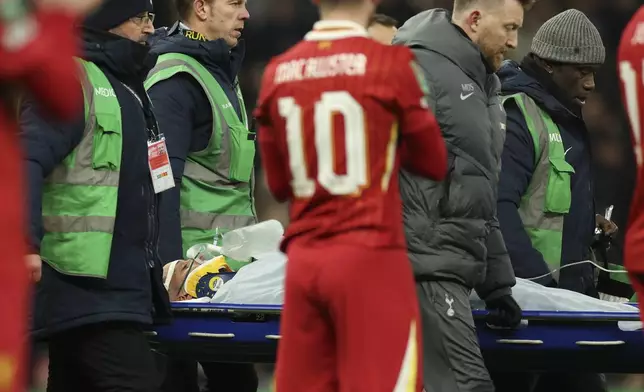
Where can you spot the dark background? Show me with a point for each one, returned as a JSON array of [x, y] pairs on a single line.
[[275, 25]]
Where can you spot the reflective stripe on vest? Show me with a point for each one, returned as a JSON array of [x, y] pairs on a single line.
[[217, 183], [548, 197], [80, 195]]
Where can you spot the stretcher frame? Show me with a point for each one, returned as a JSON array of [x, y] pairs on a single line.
[[545, 341]]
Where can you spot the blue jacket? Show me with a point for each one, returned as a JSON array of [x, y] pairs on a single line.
[[132, 291], [185, 117], [516, 173]]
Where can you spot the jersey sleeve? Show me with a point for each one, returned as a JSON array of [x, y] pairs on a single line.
[[631, 68], [423, 149], [274, 163], [631, 73], [45, 65]]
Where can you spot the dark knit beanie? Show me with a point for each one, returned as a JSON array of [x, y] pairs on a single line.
[[112, 13], [569, 37]]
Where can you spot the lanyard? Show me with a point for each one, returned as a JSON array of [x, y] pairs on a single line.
[[152, 128]]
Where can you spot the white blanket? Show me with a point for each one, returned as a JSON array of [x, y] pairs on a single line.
[[262, 283], [258, 283]]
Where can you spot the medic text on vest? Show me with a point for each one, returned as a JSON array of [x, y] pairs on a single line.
[[105, 92], [343, 64]]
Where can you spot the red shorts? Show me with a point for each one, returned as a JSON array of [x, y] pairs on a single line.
[[350, 322]]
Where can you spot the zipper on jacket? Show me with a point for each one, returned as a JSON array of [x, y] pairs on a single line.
[[154, 245], [150, 241]]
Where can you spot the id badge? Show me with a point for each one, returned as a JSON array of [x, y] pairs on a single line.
[[159, 163]]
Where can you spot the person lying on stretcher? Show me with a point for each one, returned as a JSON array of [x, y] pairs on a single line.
[[194, 278]]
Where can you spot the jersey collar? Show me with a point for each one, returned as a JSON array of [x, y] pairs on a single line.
[[326, 30]]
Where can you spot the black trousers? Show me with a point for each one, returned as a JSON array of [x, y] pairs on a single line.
[[107, 357], [181, 376], [230, 377]]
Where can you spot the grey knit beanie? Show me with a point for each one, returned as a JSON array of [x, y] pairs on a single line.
[[571, 38]]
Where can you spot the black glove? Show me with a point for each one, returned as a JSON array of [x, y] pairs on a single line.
[[504, 312]]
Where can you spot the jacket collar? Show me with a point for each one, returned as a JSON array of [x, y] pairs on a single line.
[[129, 61], [559, 101]]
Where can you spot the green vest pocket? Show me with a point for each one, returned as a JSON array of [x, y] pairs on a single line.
[[107, 143], [242, 153], [558, 194]]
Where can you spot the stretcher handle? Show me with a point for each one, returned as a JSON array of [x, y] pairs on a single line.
[[520, 341], [591, 343], [211, 335]]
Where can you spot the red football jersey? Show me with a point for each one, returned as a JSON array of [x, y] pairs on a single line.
[[333, 112], [44, 68], [44, 65], [631, 73]]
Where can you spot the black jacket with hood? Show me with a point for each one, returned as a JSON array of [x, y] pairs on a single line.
[[133, 290]]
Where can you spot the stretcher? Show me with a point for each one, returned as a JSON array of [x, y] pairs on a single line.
[[546, 341]]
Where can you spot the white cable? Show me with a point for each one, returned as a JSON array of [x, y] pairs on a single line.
[[577, 263]]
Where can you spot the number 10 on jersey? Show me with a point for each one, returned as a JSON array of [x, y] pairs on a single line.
[[330, 104]]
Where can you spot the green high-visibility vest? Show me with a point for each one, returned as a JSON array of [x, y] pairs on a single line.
[[217, 183], [548, 197], [80, 196]]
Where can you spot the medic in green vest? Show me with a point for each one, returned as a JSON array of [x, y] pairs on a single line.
[[93, 202], [546, 200], [194, 88]]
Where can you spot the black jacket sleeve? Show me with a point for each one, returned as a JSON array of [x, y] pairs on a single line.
[[174, 102], [46, 143], [517, 168]]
